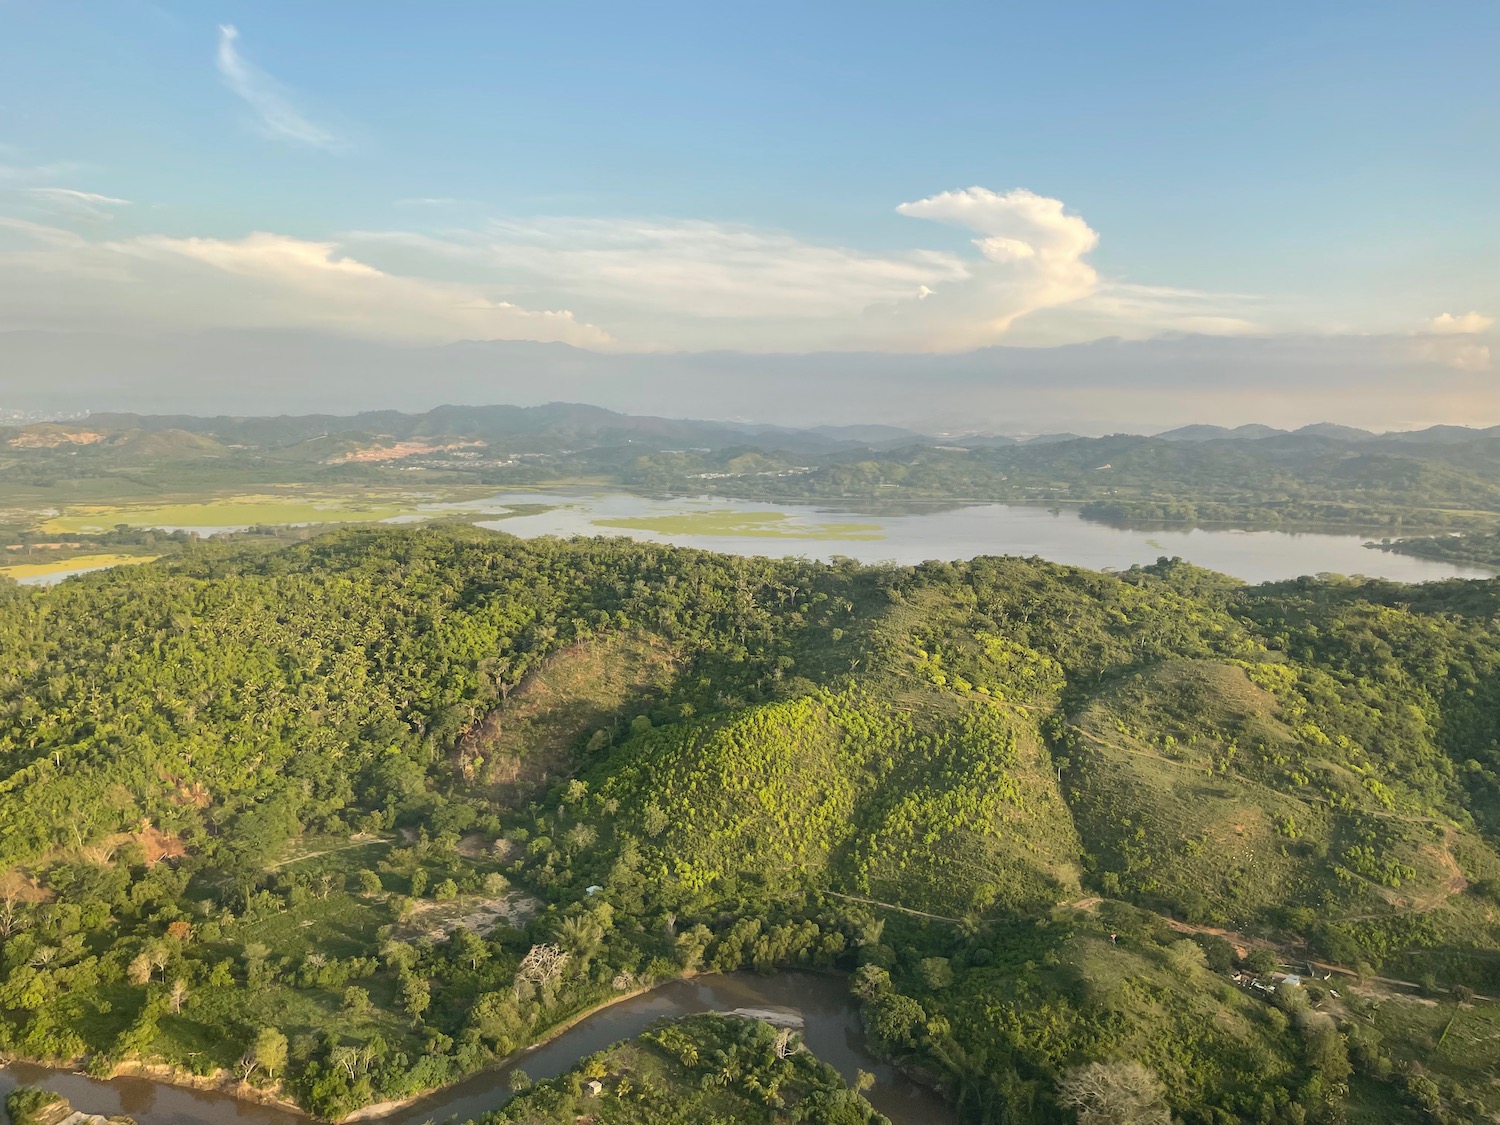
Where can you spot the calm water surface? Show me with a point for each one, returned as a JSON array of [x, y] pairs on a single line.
[[935, 532], [980, 529], [831, 1028]]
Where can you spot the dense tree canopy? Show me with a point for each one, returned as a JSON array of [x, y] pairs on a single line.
[[360, 815]]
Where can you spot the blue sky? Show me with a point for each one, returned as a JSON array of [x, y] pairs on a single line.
[[690, 176]]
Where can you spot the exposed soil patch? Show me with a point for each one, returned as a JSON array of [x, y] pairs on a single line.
[[17, 887], [50, 438], [156, 844], [476, 845], [396, 450], [542, 730], [480, 915]]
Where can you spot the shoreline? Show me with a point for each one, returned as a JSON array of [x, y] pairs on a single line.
[[224, 1083], [167, 1074], [377, 1110], [221, 1081]]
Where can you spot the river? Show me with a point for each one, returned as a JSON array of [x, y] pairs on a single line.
[[831, 1028]]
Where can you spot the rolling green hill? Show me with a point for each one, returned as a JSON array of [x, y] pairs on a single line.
[[344, 791], [943, 812]]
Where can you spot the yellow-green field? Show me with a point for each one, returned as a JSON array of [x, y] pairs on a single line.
[[725, 522], [21, 571], [288, 506], [234, 512]]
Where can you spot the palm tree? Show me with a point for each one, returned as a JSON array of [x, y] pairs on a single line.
[[580, 937]]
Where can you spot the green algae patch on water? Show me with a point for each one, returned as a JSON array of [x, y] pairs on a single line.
[[732, 524]]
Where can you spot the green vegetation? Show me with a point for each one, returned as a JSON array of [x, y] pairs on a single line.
[[217, 472], [1476, 548], [702, 1070], [349, 818], [1398, 481], [28, 1105], [771, 525], [849, 792], [293, 506]]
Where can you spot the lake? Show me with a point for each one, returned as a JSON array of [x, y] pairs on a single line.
[[831, 1029], [912, 534], [820, 532]]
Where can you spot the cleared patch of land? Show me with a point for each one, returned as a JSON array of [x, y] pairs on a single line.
[[726, 522], [231, 511], [281, 507], [542, 729], [437, 920], [21, 571]]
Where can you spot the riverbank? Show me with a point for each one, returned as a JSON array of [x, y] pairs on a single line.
[[221, 1082], [225, 1083], [379, 1110], [155, 1094]]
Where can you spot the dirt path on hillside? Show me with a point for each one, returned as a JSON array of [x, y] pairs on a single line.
[[893, 906], [1244, 943], [357, 843], [1310, 798], [1455, 884]]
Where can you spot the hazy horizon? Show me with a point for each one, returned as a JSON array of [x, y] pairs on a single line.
[[1088, 219], [1101, 387]]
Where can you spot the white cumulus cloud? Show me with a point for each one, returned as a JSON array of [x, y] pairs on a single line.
[[655, 284], [1031, 257], [1467, 324], [58, 279], [695, 284]]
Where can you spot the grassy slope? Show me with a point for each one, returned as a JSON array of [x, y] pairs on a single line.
[[544, 727], [1130, 1000], [1190, 787], [944, 812]]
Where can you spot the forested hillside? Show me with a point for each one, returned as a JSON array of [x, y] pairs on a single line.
[[1447, 477], [353, 817], [1320, 477]]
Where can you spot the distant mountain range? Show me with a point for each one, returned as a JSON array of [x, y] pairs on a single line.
[[1438, 435], [547, 428], [1139, 386], [557, 425]]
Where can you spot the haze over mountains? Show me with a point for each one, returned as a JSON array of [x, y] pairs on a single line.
[[1099, 387], [555, 425]]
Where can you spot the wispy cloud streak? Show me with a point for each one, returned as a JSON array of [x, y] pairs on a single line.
[[276, 117], [77, 204]]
